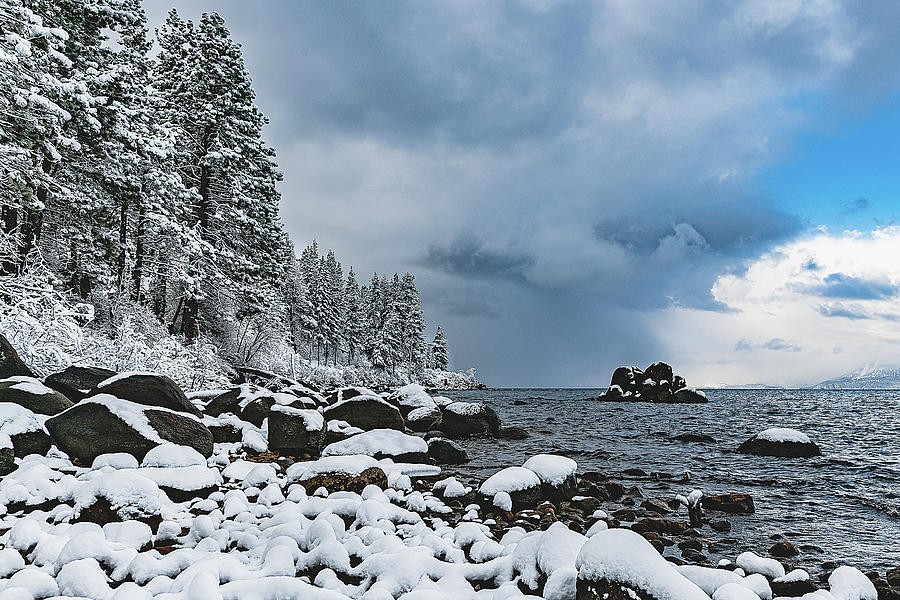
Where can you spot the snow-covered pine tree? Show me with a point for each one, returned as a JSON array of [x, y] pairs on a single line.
[[440, 356], [353, 317], [411, 322], [333, 283]]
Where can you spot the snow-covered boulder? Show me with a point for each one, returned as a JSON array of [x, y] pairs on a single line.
[[367, 412], [103, 424], [119, 496], [446, 452], [619, 564], [296, 431], [24, 430], [780, 441], [252, 403], [522, 485], [345, 393], [10, 362], [337, 430], [381, 443], [338, 473], [76, 382], [849, 583], [464, 419], [689, 395], [149, 389], [33, 395], [419, 410], [557, 474]]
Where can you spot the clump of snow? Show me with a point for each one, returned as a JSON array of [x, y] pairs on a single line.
[[734, 591], [132, 496], [115, 460], [510, 479], [413, 396], [173, 455], [465, 409], [28, 385], [794, 576], [751, 563], [503, 501], [16, 419], [625, 557], [349, 465], [551, 468], [783, 434], [343, 427], [849, 583], [387, 442]]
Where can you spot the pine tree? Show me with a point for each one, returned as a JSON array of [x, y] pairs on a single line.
[[411, 322], [353, 317], [440, 356]]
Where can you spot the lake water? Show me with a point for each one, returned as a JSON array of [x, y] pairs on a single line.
[[846, 501]]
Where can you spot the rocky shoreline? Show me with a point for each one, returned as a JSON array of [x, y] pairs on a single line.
[[120, 486]]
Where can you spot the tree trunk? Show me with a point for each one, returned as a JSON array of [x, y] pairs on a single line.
[[189, 326], [10, 221], [123, 243], [137, 273]]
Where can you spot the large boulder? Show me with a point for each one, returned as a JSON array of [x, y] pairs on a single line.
[[424, 419], [381, 443], [24, 430], [446, 452], [660, 372], [782, 442], [366, 412], [33, 395], [557, 475], [10, 363], [656, 383], [296, 431], [149, 389], [76, 382], [628, 379], [345, 393], [419, 409], [465, 419], [105, 424]]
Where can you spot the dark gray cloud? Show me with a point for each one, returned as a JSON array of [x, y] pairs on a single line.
[[560, 171]]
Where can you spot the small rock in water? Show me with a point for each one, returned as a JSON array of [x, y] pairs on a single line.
[[734, 504], [783, 549], [781, 442]]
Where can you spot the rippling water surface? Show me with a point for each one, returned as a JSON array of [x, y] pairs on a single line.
[[847, 502]]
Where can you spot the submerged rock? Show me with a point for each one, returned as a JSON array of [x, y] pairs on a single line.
[[781, 442]]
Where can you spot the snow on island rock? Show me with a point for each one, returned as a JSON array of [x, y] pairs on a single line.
[[381, 443], [657, 383], [782, 442]]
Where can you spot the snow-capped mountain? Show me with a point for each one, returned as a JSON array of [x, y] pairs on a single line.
[[872, 376]]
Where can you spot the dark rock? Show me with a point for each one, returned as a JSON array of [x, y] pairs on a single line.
[[33, 395], [629, 379], [720, 525], [625, 514], [692, 543], [343, 482], [341, 394], [586, 504], [75, 382], [613, 490], [660, 372], [446, 452], [519, 403], [664, 526], [694, 556], [634, 472], [513, 433], [424, 419], [10, 363], [295, 432], [366, 412], [465, 419], [656, 505], [225, 433], [688, 395], [149, 390], [793, 589], [763, 447], [28, 437], [102, 512], [247, 401], [783, 549], [693, 437], [893, 577], [7, 460], [733, 504], [91, 428]]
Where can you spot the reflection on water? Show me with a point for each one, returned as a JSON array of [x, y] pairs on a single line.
[[846, 502]]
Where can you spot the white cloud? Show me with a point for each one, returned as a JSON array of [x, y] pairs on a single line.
[[813, 308]]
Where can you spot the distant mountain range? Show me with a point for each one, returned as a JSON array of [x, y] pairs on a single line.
[[869, 377]]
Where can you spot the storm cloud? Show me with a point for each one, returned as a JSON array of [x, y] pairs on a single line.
[[555, 173]]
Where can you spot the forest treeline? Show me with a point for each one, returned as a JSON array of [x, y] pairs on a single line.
[[138, 179]]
